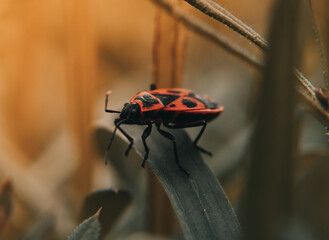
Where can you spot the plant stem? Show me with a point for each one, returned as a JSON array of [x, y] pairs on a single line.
[[216, 11]]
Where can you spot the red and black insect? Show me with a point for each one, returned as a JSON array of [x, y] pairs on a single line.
[[173, 107]]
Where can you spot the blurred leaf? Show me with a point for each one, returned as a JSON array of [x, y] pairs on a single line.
[[198, 200], [112, 202], [87, 230], [269, 197], [6, 202]]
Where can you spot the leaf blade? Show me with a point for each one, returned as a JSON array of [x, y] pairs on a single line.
[[87, 230], [113, 204], [199, 201]]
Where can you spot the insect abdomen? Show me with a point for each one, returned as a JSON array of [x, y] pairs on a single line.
[[184, 117]]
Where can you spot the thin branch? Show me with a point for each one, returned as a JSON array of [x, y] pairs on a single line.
[[306, 84], [216, 11], [179, 46], [155, 50], [208, 32], [252, 32]]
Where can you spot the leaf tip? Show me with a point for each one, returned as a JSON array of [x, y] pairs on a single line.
[[99, 211]]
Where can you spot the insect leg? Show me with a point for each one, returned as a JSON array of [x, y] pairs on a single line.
[[173, 139], [146, 133], [117, 122], [130, 139], [193, 124]]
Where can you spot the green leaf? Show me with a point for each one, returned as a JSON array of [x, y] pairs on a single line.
[[87, 230], [198, 200]]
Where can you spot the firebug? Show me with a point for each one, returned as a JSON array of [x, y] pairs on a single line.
[[173, 107]]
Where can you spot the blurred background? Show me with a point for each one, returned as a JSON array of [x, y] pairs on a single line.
[[57, 61]]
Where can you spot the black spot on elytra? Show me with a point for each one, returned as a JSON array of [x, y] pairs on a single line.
[[174, 91], [172, 105], [147, 100], [166, 98], [189, 103], [206, 102]]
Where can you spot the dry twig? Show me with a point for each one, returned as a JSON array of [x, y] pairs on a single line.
[[208, 32], [216, 11]]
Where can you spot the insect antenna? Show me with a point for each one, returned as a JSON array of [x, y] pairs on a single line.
[[112, 111], [111, 140], [106, 102]]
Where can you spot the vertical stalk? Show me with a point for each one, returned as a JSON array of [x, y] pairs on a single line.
[[81, 85], [269, 198], [169, 45]]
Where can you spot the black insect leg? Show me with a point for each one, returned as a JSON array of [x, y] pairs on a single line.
[[193, 124], [173, 139], [146, 133], [130, 139], [117, 122], [204, 125]]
